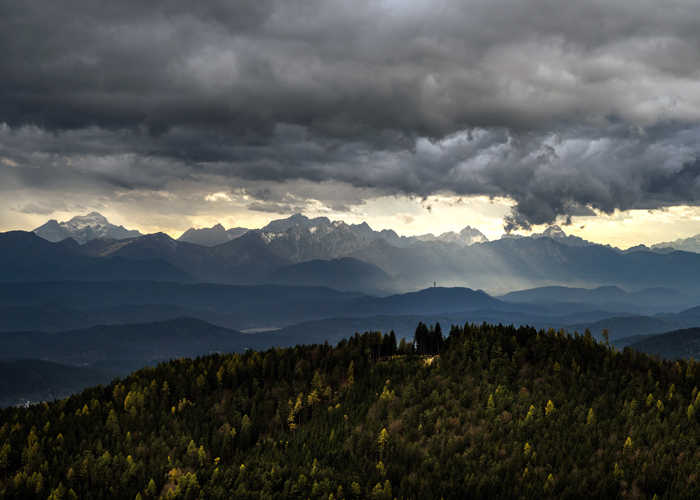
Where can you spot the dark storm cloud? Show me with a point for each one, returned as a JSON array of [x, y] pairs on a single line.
[[563, 107]]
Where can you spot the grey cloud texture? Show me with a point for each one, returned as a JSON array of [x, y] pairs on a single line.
[[49, 206], [563, 107]]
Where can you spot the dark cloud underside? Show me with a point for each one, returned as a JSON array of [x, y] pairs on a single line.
[[562, 107]]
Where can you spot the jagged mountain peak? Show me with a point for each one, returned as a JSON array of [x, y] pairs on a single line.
[[208, 236], [363, 230], [473, 234], [691, 244], [83, 228], [96, 216], [554, 231], [321, 241], [93, 220], [296, 220], [465, 237]]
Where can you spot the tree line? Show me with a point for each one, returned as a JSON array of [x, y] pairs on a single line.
[[486, 411]]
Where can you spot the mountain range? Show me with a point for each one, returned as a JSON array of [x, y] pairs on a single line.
[[691, 244], [321, 252]]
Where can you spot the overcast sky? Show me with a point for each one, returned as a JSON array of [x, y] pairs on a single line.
[[413, 115]]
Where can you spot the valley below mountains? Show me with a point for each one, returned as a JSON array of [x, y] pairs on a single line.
[[97, 297]]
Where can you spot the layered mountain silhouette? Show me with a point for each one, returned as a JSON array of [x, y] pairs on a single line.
[[115, 327], [273, 254], [86, 293], [26, 257]]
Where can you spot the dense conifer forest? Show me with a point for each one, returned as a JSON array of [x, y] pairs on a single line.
[[482, 412]]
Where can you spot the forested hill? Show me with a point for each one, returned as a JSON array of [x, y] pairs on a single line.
[[498, 413]]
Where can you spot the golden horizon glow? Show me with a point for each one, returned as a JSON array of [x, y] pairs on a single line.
[[407, 216]]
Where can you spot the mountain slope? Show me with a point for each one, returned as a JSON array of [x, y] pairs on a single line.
[[465, 237], [340, 274], [621, 327], [604, 295], [601, 294], [27, 257], [208, 237], [139, 344], [49, 317], [243, 260], [549, 262], [325, 241], [676, 344], [202, 296], [54, 317], [428, 302], [294, 221], [31, 380]]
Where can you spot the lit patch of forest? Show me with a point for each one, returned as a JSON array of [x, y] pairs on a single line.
[[485, 412]]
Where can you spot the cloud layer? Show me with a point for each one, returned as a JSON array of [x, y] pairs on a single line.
[[563, 108]]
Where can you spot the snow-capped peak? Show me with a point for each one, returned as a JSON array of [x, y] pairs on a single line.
[[554, 232], [83, 228], [93, 219]]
